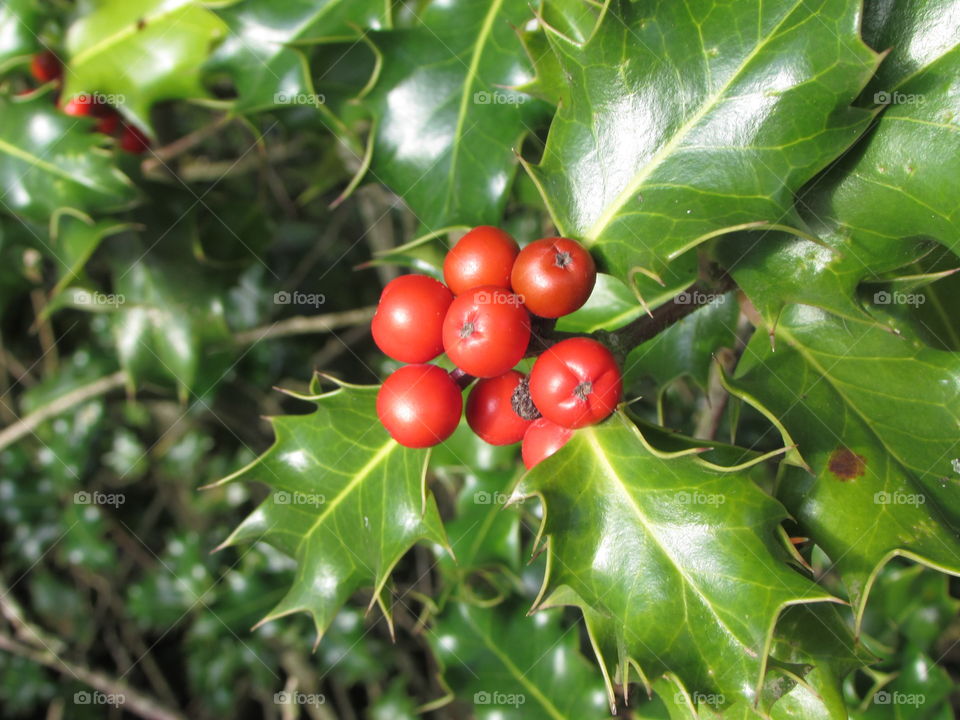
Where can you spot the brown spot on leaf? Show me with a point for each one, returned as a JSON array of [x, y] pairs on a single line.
[[846, 464], [141, 24]]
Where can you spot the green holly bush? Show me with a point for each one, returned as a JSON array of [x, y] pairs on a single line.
[[767, 527]]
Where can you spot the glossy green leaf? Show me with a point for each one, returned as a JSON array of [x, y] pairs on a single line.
[[346, 502], [265, 50], [682, 121], [447, 120], [164, 322], [49, 160], [875, 417], [139, 53], [683, 557], [18, 30], [875, 210], [507, 665], [920, 691]]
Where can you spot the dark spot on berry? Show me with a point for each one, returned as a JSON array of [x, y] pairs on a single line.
[[563, 259], [466, 330], [583, 390], [846, 464]]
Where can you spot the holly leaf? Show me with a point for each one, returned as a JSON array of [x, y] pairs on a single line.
[[679, 122], [18, 31], [346, 502], [139, 53], [874, 211], [683, 559], [447, 119], [165, 321], [264, 51], [516, 667], [875, 417], [49, 160]]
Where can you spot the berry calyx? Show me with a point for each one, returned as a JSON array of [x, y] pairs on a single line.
[[486, 331], [542, 439], [554, 276], [46, 66], [490, 411], [419, 405], [576, 383], [408, 323], [484, 256]]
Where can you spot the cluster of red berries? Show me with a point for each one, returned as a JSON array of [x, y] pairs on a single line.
[[481, 319], [46, 67]]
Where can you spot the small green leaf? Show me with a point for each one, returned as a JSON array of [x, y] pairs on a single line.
[[507, 665], [346, 502], [140, 53], [876, 418], [683, 557], [18, 30], [263, 52], [447, 119], [679, 121], [49, 160]]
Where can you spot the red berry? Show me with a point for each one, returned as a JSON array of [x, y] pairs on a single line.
[[490, 412], [408, 324], [554, 276], [576, 383], [484, 256], [81, 106], [486, 331], [132, 140], [108, 122], [542, 439], [419, 405], [45, 67]]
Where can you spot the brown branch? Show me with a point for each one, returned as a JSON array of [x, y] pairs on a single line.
[[31, 422], [303, 325]]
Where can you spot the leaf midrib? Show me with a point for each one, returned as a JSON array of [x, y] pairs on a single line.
[[609, 214], [468, 82], [50, 168], [515, 671], [124, 33], [388, 447], [645, 522]]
